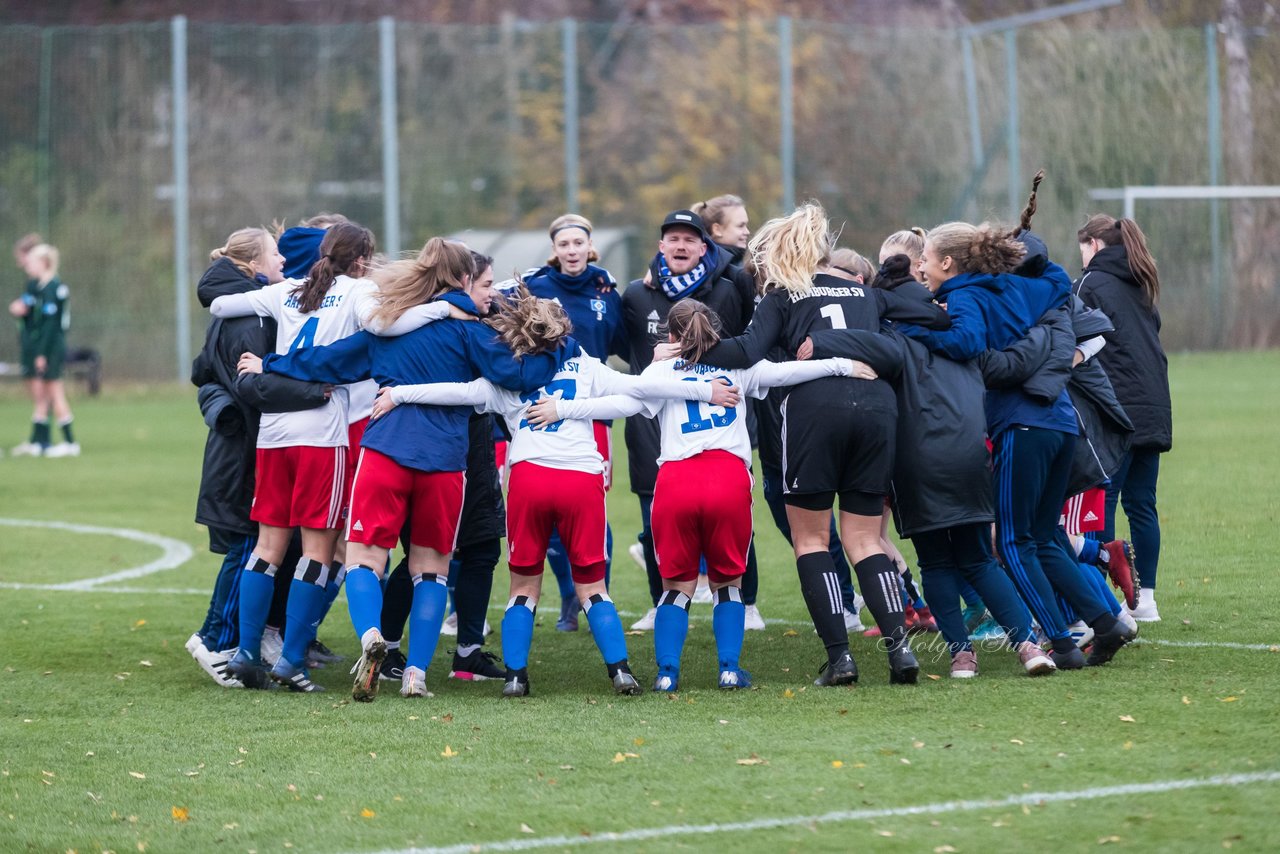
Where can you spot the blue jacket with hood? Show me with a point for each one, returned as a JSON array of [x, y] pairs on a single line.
[[991, 312]]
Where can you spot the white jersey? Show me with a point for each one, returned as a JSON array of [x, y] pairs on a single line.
[[360, 398], [567, 444], [337, 317], [690, 427]]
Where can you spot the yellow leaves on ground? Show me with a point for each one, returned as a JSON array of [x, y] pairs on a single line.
[[788, 693], [448, 752], [180, 814], [367, 813], [1229, 699], [137, 776], [1127, 719], [753, 760], [623, 757], [524, 828], [790, 633], [836, 763]]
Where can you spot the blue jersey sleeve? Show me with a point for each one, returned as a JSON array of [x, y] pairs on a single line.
[[493, 359], [344, 361]]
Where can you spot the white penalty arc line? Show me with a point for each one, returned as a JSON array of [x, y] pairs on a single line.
[[174, 554], [1029, 799]]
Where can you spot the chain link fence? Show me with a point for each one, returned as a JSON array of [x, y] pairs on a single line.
[[506, 127]]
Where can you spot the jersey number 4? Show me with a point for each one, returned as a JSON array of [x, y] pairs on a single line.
[[697, 422], [306, 335]]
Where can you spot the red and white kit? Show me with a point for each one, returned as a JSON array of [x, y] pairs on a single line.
[[386, 493], [557, 473], [702, 498]]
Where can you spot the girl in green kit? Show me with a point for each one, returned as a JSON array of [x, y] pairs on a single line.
[[43, 311]]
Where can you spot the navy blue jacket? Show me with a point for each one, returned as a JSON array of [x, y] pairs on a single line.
[[592, 301], [991, 312]]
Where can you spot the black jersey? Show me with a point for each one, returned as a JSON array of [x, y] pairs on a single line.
[[785, 319]]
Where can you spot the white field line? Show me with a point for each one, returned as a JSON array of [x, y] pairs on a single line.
[[1028, 799], [174, 553]]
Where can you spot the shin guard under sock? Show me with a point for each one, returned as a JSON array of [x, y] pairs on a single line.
[[878, 578], [728, 622], [364, 599], [430, 601], [606, 628], [257, 586], [302, 614], [821, 591], [670, 628], [517, 631]]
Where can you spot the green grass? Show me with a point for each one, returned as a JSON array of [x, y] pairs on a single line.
[[95, 687]]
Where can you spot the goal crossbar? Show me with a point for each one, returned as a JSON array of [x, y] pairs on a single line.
[[1130, 195]]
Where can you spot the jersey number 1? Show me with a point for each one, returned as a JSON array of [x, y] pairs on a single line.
[[835, 314]]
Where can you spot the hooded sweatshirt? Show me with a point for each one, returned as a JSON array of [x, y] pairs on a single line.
[[591, 300], [991, 312]]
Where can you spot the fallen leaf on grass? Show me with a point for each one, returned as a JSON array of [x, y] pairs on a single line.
[[145, 663], [524, 828], [1127, 719], [367, 813], [1107, 839], [935, 677], [139, 624], [637, 741], [232, 826], [566, 767], [448, 752], [836, 763], [944, 849], [180, 814], [1229, 699], [788, 693], [635, 634], [790, 633], [137, 776], [1186, 701], [1016, 741], [884, 833], [753, 760]]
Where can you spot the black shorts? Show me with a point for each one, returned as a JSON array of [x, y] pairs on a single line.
[[838, 439], [52, 371]]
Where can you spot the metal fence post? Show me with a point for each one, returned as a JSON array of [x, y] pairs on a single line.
[[390, 135], [787, 113], [1215, 177], [46, 110], [569, 43], [181, 201], [971, 98], [1014, 149]]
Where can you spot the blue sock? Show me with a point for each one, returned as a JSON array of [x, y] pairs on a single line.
[[559, 561], [430, 599], [1089, 552], [257, 585], [608, 555], [364, 599], [606, 628], [1098, 583], [303, 611], [337, 574], [670, 628], [517, 632], [728, 622]]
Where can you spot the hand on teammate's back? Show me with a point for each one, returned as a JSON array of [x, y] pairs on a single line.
[[723, 394], [383, 404], [665, 350], [542, 413], [249, 364]]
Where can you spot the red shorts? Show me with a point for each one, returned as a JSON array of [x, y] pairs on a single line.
[[702, 507], [540, 500], [299, 487], [1085, 512], [355, 432], [386, 493], [604, 444], [500, 460]]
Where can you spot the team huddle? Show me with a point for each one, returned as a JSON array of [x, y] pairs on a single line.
[[965, 389]]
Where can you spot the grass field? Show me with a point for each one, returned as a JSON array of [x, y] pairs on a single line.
[[111, 738]]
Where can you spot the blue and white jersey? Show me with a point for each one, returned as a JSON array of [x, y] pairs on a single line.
[[337, 317]]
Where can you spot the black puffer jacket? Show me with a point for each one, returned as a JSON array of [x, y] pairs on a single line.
[[1133, 358], [729, 291], [484, 516], [226, 479]]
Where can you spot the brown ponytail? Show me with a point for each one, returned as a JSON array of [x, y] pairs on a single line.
[[1125, 232], [1024, 222], [695, 327], [344, 246], [977, 248], [530, 325]]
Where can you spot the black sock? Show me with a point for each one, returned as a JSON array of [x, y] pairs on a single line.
[[66, 431], [397, 600], [616, 666], [472, 587], [821, 590], [1063, 646], [878, 580], [1104, 624], [40, 434]]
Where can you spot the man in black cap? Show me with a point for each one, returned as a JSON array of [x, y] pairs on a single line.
[[688, 264]]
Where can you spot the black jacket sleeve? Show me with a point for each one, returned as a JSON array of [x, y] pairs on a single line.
[[895, 306], [278, 393], [883, 351], [1011, 367], [745, 284], [753, 345]]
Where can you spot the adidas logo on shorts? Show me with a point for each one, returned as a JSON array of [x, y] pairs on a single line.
[[1090, 517], [358, 526]]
